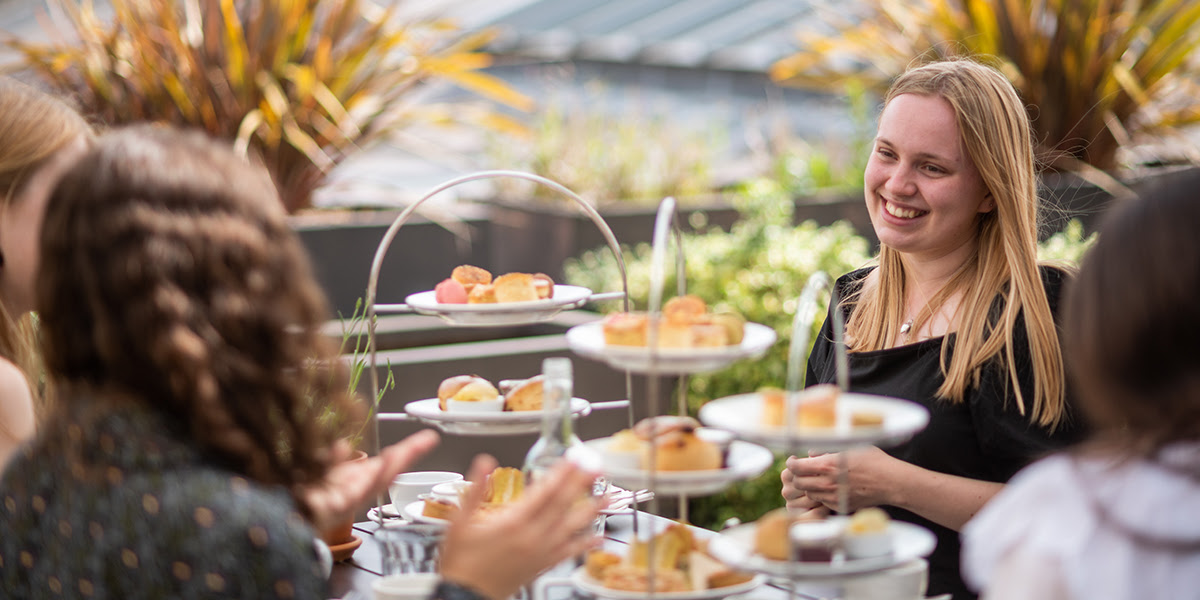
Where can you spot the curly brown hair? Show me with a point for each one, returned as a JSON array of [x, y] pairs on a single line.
[[171, 278]]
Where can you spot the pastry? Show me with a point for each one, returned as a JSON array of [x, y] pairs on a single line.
[[706, 335], [504, 485], [470, 276], [866, 418], [450, 292], [674, 334], [774, 401], [439, 509], [598, 561], [482, 293], [684, 309], [818, 406], [543, 285], [771, 535], [684, 451], [734, 324], [452, 385], [629, 578], [625, 329], [514, 287], [525, 395]]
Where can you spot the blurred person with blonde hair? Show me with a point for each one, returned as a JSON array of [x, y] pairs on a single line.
[[957, 316], [39, 137]]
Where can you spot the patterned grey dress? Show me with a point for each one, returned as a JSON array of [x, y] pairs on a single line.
[[129, 511]]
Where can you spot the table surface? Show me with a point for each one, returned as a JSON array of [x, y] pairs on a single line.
[[358, 572]]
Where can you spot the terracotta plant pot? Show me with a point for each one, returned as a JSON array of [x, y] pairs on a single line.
[[342, 533]]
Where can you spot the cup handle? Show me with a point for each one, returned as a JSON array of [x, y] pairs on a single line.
[[545, 583]]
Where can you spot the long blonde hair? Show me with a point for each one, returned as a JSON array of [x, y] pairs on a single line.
[[34, 127], [996, 133]]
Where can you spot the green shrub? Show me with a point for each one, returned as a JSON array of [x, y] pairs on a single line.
[[607, 159]]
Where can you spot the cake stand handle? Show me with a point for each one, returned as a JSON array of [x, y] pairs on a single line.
[[406, 214]]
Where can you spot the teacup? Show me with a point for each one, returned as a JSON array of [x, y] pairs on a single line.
[[406, 586], [450, 491], [907, 581], [407, 488]]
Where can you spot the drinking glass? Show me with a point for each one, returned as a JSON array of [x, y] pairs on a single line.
[[409, 547]]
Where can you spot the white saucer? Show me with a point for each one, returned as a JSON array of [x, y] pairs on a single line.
[[566, 297], [587, 340], [746, 461], [743, 415], [622, 503], [484, 423], [584, 582], [735, 547]]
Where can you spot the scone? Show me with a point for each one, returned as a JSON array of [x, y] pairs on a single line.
[[470, 276], [771, 535], [482, 293], [544, 286], [684, 451], [452, 385], [514, 287], [774, 401], [525, 395], [624, 329], [684, 309]]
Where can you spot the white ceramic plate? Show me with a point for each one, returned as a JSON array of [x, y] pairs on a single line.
[[581, 580], [503, 313], [735, 547], [621, 504], [482, 423], [743, 415], [746, 461], [389, 512], [588, 340]]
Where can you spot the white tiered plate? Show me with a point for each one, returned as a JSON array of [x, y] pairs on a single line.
[[587, 340], [584, 582], [481, 423], [620, 502], [735, 547], [746, 461], [743, 415], [566, 297]]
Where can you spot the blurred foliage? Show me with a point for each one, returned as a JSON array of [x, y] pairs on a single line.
[[354, 331], [298, 84], [607, 158], [757, 269], [836, 164], [1067, 246], [1097, 74]]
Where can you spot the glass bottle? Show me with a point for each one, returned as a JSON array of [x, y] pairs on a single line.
[[558, 433]]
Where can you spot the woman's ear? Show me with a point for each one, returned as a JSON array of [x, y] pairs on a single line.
[[988, 204]]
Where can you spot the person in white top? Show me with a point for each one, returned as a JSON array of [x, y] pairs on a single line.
[[1116, 517]]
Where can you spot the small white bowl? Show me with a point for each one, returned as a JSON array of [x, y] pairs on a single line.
[[815, 541], [478, 406], [450, 491], [407, 586], [867, 545], [407, 488]]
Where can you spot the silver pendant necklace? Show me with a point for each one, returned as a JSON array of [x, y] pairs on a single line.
[[906, 327]]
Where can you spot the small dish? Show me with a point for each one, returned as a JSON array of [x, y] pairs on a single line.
[[565, 297], [587, 340]]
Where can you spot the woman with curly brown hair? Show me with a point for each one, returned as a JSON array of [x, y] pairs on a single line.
[[181, 330]]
